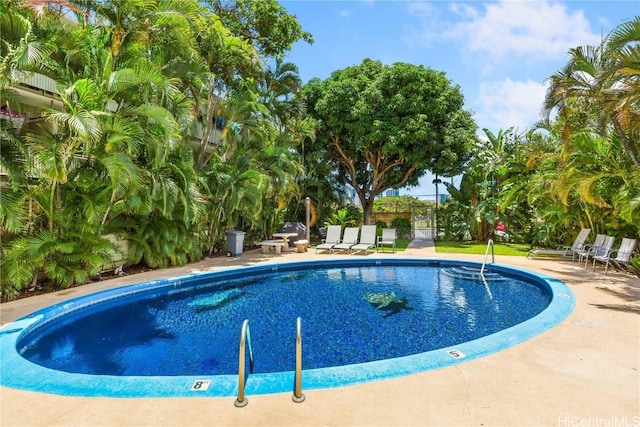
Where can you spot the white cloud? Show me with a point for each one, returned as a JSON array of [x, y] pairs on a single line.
[[542, 29], [507, 103], [421, 8], [504, 29], [505, 49], [430, 21]]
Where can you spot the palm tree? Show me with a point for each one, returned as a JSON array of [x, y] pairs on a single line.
[[556, 214], [281, 82], [225, 55], [236, 190], [132, 76], [89, 167], [596, 97], [622, 93], [21, 52], [596, 79]]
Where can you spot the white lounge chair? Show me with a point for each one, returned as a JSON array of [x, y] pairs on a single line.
[[564, 251], [367, 240], [586, 249], [600, 251], [623, 259], [349, 239], [332, 238], [623, 254], [388, 238]]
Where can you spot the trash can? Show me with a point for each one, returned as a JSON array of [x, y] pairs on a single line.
[[235, 240]]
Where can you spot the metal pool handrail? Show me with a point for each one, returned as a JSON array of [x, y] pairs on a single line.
[[486, 253], [245, 335], [298, 396]]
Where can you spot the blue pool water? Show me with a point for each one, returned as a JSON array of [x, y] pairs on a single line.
[[361, 315]]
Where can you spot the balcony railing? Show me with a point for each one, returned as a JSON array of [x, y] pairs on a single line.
[[40, 82], [197, 131]]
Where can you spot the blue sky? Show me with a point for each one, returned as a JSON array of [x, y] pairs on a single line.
[[500, 53]]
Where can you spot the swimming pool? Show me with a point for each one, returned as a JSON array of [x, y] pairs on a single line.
[[385, 308]]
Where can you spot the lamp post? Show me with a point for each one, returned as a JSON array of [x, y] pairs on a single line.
[[436, 182], [307, 204]]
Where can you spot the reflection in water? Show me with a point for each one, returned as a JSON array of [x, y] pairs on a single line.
[[214, 301]]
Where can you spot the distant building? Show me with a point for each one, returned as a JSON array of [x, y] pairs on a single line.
[[393, 192], [444, 197], [351, 198]]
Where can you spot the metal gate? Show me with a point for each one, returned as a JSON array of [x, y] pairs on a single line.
[[423, 223]]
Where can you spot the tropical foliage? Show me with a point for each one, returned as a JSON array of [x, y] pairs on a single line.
[[115, 158], [577, 168], [347, 216]]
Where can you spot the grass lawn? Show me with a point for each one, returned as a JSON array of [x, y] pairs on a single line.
[[401, 244], [479, 248]]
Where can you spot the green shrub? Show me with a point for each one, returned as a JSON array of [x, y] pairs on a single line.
[[379, 226], [402, 226], [345, 217]]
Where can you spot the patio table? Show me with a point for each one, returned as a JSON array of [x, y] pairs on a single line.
[[285, 238]]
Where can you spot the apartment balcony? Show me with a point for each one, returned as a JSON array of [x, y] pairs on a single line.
[[197, 132], [34, 94], [41, 83], [39, 92]]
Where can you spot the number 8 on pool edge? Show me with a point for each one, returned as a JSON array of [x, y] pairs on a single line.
[[200, 385]]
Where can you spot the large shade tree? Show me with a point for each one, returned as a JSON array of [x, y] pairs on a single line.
[[385, 126]]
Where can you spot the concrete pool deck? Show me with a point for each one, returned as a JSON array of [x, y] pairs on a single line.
[[584, 372]]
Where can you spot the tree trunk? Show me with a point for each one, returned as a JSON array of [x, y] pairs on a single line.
[[625, 141], [208, 126], [367, 208]]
